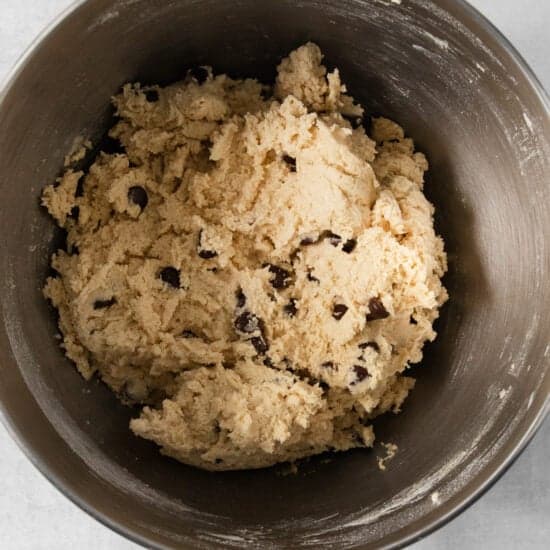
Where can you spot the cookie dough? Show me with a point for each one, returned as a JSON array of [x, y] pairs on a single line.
[[249, 265]]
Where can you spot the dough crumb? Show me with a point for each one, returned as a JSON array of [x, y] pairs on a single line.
[[253, 270], [391, 451], [78, 151]]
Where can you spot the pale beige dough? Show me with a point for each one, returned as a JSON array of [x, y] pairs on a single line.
[[255, 272]]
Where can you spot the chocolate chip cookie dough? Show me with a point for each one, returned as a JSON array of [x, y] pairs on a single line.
[[251, 267]]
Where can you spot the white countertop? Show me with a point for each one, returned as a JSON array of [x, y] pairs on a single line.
[[515, 513]]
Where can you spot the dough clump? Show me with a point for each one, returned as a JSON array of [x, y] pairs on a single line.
[[250, 266]]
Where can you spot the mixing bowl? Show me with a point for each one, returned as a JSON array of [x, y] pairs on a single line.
[[471, 104]]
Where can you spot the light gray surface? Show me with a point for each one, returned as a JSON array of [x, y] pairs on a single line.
[[514, 514]]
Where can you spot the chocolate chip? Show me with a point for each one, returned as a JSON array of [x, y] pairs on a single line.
[[259, 343], [311, 277], [290, 309], [241, 298], [373, 345], [200, 74], [152, 96], [268, 362], [413, 321], [339, 310], [281, 277], [376, 310], [328, 365], [360, 373], [207, 254], [188, 334], [203, 253], [138, 195], [349, 245], [170, 275], [247, 322], [291, 161], [102, 304], [218, 461]]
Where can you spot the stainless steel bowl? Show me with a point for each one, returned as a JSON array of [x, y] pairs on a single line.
[[470, 102]]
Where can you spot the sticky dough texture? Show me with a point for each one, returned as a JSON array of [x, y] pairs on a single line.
[[217, 305]]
